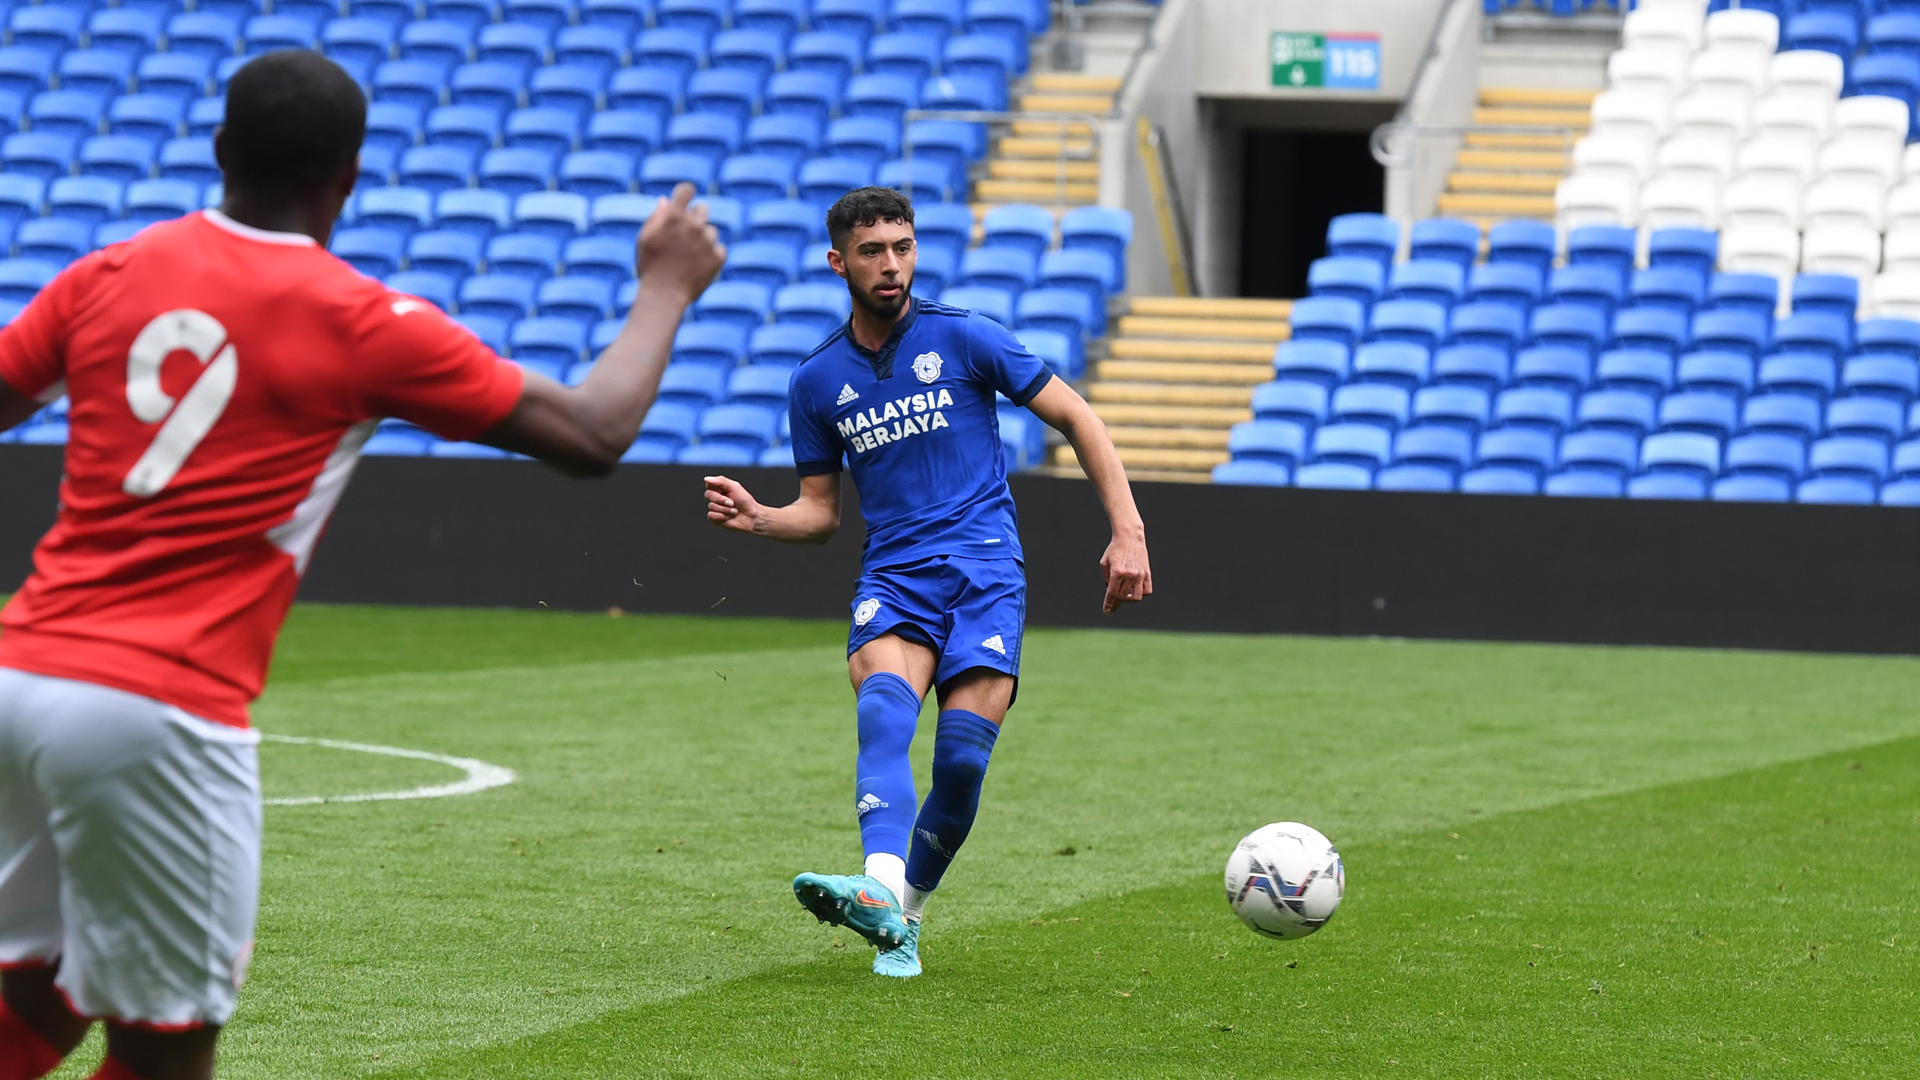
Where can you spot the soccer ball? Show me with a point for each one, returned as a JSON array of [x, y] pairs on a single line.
[[1285, 880]]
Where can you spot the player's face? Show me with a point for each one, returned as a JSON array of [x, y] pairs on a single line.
[[878, 265]]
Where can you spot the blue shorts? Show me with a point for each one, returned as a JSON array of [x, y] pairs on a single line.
[[970, 612]]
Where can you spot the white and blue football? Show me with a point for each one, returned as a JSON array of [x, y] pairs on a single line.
[[1285, 880]]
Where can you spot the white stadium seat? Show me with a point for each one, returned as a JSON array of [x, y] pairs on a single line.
[[1895, 294], [1902, 251], [1640, 115], [1841, 249], [1783, 159], [1744, 29], [1861, 160], [1669, 27], [1704, 159], [1871, 116], [1655, 71], [1835, 202], [1760, 200], [1807, 72], [1594, 200], [1695, 8], [1910, 161], [1792, 116], [1760, 249], [1729, 71], [1622, 157], [1706, 114], [1903, 207], [1679, 202]]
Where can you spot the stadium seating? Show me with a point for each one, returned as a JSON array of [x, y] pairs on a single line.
[[513, 150]]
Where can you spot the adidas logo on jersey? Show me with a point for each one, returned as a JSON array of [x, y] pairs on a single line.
[[995, 644], [846, 395]]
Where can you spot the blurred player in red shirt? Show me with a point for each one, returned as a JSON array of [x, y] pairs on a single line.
[[223, 371]]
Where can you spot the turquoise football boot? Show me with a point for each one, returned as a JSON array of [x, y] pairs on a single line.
[[903, 961], [857, 902]]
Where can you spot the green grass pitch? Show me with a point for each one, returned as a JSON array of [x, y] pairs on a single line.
[[1562, 862]]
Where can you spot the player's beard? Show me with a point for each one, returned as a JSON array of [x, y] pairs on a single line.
[[881, 308]]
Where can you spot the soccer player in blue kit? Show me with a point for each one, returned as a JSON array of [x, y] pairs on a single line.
[[904, 393]]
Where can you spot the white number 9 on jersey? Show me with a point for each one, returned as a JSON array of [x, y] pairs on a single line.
[[189, 419]]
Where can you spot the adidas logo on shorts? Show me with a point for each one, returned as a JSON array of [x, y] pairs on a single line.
[[846, 394], [995, 644]]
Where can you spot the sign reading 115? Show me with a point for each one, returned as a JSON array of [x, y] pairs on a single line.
[[1353, 61], [1330, 61]]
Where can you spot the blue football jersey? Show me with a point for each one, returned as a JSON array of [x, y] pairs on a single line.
[[916, 423]]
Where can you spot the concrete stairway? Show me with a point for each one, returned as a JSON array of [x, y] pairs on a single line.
[[1027, 163], [1180, 373], [1512, 174]]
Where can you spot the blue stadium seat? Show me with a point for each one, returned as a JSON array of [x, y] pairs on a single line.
[[374, 252], [1583, 484], [702, 17], [661, 172], [1358, 279], [1056, 350], [548, 15], [470, 128], [1610, 451], [432, 168], [1328, 318], [727, 216], [66, 112], [198, 34], [858, 19], [782, 344], [102, 72], [767, 262], [1372, 236], [1543, 407], [1661, 330], [433, 288], [1297, 401], [923, 180], [599, 49], [519, 44], [710, 135], [1731, 330], [574, 87], [1669, 288], [265, 33], [912, 55], [1695, 251], [740, 303], [995, 304], [528, 255], [56, 240], [1837, 295], [762, 386], [1896, 336], [780, 18], [1784, 414], [21, 278], [1010, 270], [37, 153], [393, 125], [1845, 455], [814, 94], [1528, 243], [559, 214], [420, 83], [1435, 281], [620, 216], [1277, 442], [887, 97], [451, 252], [630, 131], [1571, 325], [1887, 375], [824, 180], [553, 131], [1603, 245], [1806, 374], [1356, 451], [828, 53], [1419, 321], [752, 427], [717, 346], [1690, 410], [731, 92], [672, 48], [790, 136], [957, 143], [594, 173], [962, 93], [667, 428], [604, 258], [1467, 408], [1382, 404], [557, 342], [127, 31], [445, 43], [1642, 371], [1611, 409], [474, 210], [1597, 287], [1396, 363], [1029, 228], [1322, 361], [377, 165], [148, 201], [25, 71], [758, 53], [1757, 293], [501, 296], [122, 158], [822, 306], [1064, 310], [1426, 459], [48, 27], [1553, 366], [403, 209], [1818, 332], [1767, 454], [788, 221], [360, 40], [1490, 325], [1251, 473], [1751, 487], [87, 199], [1724, 373], [1868, 417], [1482, 366], [647, 89], [1009, 20], [980, 56], [584, 300], [692, 384], [495, 83], [948, 225], [114, 232], [863, 138], [1446, 239], [935, 20], [1825, 31]]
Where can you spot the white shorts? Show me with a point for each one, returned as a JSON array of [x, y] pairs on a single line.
[[129, 850]]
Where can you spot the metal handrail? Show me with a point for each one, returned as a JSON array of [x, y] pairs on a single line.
[[1379, 143]]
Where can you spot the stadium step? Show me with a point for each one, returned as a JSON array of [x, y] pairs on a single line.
[[1513, 160], [1202, 307], [1499, 174], [1161, 437], [1130, 393], [1192, 349], [1072, 192], [1496, 207], [1121, 417], [1154, 326], [1050, 169], [1496, 115], [1196, 462], [1060, 82], [1504, 182], [1538, 97], [1175, 371]]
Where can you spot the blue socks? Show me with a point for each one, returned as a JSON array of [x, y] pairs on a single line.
[[889, 710], [961, 746]]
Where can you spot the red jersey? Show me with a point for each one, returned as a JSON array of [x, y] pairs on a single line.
[[222, 380]]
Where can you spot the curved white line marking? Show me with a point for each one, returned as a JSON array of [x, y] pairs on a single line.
[[480, 775]]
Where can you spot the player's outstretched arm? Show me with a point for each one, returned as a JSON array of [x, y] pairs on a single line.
[[1129, 576], [584, 430], [812, 518]]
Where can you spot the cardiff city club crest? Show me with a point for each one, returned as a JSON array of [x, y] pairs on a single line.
[[926, 366], [864, 614]]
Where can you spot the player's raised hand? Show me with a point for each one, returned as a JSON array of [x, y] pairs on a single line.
[[730, 506], [1129, 577], [677, 248]]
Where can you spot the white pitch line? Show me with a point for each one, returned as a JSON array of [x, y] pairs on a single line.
[[480, 775]]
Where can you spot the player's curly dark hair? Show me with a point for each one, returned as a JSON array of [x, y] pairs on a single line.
[[294, 122], [865, 206]]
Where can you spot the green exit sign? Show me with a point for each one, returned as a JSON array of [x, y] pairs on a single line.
[[1330, 61]]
